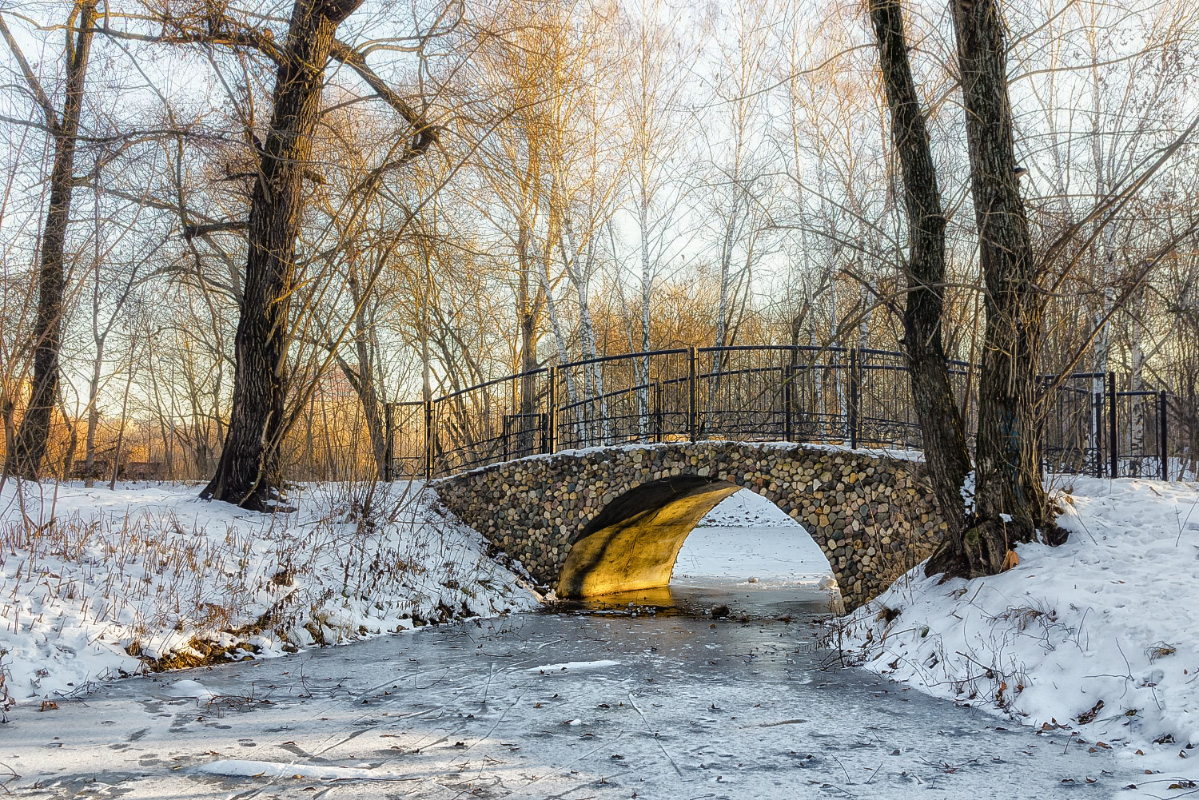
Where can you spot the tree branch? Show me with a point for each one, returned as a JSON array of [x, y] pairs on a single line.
[[192, 231], [35, 85], [426, 135], [262, 40], [1130, 289]]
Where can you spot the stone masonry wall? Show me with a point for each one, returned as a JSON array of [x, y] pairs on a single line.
[[874, 517]]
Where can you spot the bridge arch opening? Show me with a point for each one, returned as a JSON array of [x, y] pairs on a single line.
[[635, 542], [747, 543]]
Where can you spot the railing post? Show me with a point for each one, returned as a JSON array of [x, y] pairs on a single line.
[[1097, 429], [1163, 425], [788, 401], [853, 399], [1113, 440], [551, 443], [388, 443], [1043, 460], [692, 396], [430, 436], [657, 412]]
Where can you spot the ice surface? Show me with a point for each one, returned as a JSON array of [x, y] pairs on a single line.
[[695, 708], [235, 768], [681, 706], [188, 688]]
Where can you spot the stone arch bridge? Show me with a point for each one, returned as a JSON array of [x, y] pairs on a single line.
[[592, 522]]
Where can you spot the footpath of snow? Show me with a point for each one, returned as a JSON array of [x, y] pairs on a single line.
[[1099, 636], [88, 576], [748, 540], [747, 509], [896, 453]]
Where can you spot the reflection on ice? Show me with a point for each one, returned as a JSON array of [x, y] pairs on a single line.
[[739, 601]]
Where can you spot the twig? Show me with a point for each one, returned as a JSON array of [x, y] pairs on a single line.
[[633, 703]]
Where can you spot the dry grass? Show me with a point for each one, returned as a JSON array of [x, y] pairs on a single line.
[[190, 583]]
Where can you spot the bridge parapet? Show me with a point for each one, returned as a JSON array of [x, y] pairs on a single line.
[[760, 393], [593, 521]]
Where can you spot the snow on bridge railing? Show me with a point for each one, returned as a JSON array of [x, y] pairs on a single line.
[[856, 397]]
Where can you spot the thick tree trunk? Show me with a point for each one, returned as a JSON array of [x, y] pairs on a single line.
[[647, 285], [68, 459], [529, 305], [364, 379], [8, 412], [248, 471], [556, 328], [524, 429], [579, 274], [942, 432], [1009, 497], [29, 449], [372, 403], [529, 330]]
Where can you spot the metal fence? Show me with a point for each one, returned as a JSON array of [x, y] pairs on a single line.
[[852, 397]]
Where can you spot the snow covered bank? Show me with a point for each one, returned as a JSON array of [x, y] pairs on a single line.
[[89, 578], [747, 509], [1100, 636]]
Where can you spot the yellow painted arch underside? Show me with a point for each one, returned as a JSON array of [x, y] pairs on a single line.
[[638, 552]]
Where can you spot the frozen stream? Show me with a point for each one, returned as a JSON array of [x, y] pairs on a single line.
[[687, 710], [572, 704]]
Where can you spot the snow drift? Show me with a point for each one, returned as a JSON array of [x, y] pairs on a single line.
[[1096, 636], [93, 583]]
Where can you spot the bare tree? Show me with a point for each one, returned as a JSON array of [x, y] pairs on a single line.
[[942, 432], [29, 448], [656, 184], [737, 186], [1009, 496], [248, 471], [109, 293]]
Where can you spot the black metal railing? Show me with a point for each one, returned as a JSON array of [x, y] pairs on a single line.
[[855, 397]]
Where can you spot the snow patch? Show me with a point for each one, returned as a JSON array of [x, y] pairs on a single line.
[[967, 492], [574, 665], [236, 768], [1096, 636], [748, 538], [188, 689]]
